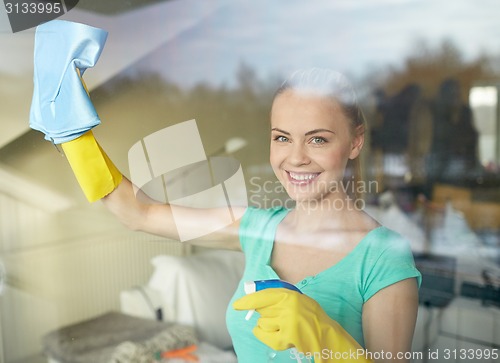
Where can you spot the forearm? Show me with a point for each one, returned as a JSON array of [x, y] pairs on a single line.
[[138, 212], [123, 203], [100, 179]]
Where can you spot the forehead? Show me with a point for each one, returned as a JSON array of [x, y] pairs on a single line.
[[309, 110]]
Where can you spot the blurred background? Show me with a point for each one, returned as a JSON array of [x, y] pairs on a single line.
[[427, 75]]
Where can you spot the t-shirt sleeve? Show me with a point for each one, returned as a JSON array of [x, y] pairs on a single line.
[[257, 227], [251, 226], [394, 263]]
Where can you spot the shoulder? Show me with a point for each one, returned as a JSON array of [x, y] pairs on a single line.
[[384, 239], [388, 259], [387, 249], [260, 224]]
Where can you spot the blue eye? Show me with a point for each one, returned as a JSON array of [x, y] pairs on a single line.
[[281, 138], [318, 140]]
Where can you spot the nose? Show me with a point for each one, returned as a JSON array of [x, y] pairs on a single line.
[[298, 155]]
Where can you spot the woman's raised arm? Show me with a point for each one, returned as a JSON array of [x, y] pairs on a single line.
[[62, 110], [139, 212]]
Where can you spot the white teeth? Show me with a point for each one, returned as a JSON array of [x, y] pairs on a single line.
[[302, 177]]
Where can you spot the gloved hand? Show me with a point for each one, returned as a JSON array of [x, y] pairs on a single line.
[[95, 172], [290, 319], [61, 107]]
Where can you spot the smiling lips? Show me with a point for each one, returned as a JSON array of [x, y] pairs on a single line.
[[301, 178]]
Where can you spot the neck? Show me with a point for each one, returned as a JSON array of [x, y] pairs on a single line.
[[329, 213]]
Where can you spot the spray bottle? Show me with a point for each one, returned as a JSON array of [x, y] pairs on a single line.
[[253, 286]]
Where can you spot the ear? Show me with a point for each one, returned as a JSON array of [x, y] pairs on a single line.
[[357, 142]]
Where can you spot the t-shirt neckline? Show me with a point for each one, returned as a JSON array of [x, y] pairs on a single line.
[[279, 218]]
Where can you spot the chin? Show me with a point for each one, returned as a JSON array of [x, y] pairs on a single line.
[[305, 197]]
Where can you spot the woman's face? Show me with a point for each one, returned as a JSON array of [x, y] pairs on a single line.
[[311, 142]]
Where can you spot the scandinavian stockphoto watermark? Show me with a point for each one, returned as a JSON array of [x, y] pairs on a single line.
[[26, 14], [170, 165], [265, 194]]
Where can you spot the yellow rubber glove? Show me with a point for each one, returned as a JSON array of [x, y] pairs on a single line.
[[290, 319], [95, 172], [83, 82]]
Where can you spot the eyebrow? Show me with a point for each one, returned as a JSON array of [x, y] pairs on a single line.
[[315, 131]]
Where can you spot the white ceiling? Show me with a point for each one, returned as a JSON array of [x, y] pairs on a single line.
[[129, 40]]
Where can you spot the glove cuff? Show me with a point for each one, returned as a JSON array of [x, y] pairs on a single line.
[[339, 341], [95, 172]]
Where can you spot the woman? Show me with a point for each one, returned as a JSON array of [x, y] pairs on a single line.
[[358, 279], [361, 274]]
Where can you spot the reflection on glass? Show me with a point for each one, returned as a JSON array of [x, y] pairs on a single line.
[[484, 103]]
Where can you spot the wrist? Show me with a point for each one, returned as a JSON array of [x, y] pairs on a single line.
[[95, 172]]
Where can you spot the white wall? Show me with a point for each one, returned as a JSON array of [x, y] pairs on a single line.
[[65, 267]]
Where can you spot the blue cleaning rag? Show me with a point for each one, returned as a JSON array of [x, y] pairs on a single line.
[[61, 108]]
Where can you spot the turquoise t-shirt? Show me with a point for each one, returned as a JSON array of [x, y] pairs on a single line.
[[380, 259]]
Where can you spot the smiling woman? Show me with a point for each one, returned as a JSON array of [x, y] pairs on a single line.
[[340, 258], [350, 270], [221, 62]]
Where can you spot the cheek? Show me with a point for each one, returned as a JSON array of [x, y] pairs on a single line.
[[335, 159], [275, 155], [273, 158]]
